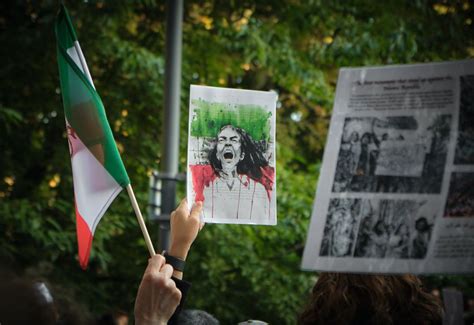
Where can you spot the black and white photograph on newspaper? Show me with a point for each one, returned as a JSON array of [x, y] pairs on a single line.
[[395, 190], [394, 154], [373, 228], [465, 142], [460, 202]]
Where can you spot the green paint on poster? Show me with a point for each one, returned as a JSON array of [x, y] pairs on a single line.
[[210, 117]]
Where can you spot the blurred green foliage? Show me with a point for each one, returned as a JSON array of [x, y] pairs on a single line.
[[293, 47]]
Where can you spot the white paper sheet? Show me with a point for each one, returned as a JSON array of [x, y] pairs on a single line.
[[231, 155], [396, 189]]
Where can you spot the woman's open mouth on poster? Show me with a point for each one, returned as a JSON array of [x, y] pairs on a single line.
[[228, 153]]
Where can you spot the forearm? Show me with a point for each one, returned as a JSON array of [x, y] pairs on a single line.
[[181, 252], [185, 226], [147, 322]]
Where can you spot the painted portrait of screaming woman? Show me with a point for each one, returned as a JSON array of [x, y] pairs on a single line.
[[231, 155]]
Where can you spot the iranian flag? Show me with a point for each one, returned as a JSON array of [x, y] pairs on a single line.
[[98, 171]]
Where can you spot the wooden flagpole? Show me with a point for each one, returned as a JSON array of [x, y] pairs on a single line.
[[141, 222]]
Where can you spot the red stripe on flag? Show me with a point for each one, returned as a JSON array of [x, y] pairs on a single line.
[[84, 240]]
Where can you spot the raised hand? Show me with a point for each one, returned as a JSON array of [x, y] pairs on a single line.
[[157, 296], [185, 226]]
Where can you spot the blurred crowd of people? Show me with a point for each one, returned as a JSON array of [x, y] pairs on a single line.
[[336, 298]]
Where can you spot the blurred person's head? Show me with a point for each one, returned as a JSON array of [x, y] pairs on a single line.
[[196, 317], [366, 138], [32, 300], [422, 225], [339, 298], [354, 137], [26, 302], [379, 228]]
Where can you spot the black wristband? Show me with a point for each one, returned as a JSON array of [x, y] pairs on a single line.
[[177, 263]]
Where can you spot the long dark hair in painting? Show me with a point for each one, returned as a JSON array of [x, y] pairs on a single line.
[[253, 161]]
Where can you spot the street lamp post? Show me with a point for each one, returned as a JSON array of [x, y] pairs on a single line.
[[170, 149]]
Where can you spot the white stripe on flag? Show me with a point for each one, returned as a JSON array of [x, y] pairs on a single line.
[[94, 187], [76, 55]]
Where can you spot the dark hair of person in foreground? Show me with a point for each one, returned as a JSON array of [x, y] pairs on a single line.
[[339, 298], [22, 303], [24, 300]]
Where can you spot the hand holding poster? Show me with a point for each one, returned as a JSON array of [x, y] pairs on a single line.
[[231, 155], [395, 193]]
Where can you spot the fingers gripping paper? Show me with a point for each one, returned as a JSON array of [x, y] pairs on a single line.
[[231, 155]]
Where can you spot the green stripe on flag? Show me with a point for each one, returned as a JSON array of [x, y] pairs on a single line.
[[83, 107], [65, 33]]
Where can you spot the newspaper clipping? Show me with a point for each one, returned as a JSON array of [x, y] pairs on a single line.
[[396, 188]]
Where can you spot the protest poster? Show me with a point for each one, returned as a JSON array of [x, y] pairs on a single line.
[[396, 187], [231, 155]]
